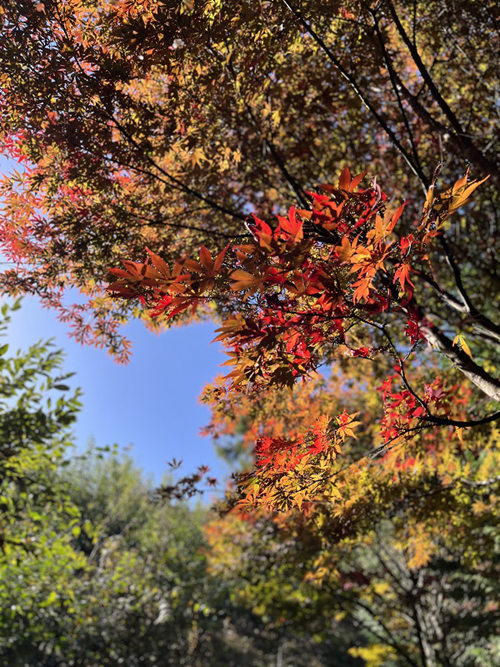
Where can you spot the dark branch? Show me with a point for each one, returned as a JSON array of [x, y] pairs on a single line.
[[465, 143], [355, 86], [462, 423]]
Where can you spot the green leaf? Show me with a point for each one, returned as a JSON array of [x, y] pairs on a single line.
[[51, 598]]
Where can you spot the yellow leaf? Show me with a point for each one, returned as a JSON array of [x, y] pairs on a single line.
[[381, 587], [429, 198], [345, 250], [460, 340], [459, 184], [374, 655]]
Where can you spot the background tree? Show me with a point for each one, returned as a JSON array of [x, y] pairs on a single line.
[[391, 609], [129, 583], [401, 547], [36, 413], [92, 570]]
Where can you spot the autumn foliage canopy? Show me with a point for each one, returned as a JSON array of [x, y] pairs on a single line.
[[325, 282], [309, 176]]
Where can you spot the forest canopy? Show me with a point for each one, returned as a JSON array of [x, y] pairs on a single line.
[[319, 179]]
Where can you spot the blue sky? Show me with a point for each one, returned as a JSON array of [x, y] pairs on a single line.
[[151, 403]]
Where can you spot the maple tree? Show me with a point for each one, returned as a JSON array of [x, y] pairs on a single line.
[[166, 123], [335, 281], [212, 134], [324, 281]]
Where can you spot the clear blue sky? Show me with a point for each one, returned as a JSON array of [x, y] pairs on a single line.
[[151, 403]]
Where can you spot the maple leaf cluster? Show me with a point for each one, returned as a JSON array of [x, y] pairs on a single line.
[[306, 286], [331, 280]]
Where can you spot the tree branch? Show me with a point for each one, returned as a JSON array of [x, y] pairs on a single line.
[[355, 86], [393, 77], [459, 138], [467, 423], [477, 375], [483, 324]]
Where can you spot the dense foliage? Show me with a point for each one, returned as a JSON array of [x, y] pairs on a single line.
[[36, 412], [403, 545], [166, 123], [204, 145]]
